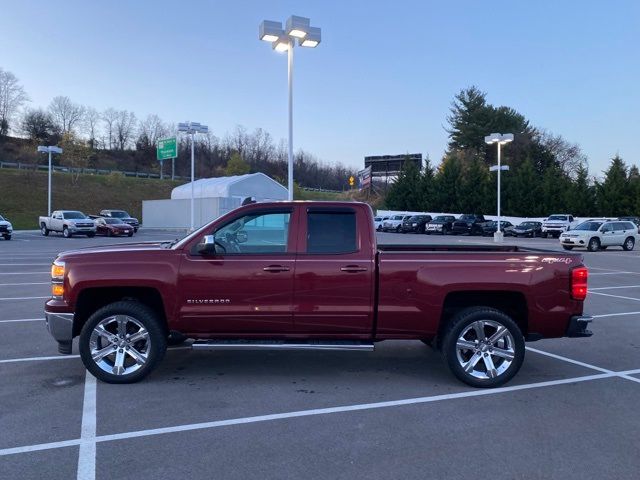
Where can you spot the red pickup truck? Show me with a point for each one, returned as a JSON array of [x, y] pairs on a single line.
[[309, 275]]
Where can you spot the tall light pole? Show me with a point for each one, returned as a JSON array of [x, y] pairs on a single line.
[[50, 150], [192, 128], [283, 40], [500, 140]]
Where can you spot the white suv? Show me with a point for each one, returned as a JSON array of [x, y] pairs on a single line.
[[394, 223], [556, 224], [598, 235]]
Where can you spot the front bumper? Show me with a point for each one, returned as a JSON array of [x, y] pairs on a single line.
[[60, 326], [578, 326]]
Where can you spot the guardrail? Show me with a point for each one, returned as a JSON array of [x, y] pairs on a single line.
[[89, 171], [104, 171]]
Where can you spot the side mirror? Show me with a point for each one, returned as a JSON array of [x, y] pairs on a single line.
[[207, 246]]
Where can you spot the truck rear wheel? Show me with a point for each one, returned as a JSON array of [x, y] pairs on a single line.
[[483, 347], [122, 342]]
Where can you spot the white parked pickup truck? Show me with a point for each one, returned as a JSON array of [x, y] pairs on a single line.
[[557, 224], [67, 222]]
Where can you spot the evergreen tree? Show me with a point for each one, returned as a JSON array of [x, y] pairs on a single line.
[[405, 193], [614, 193], [427, 188], [474, 189], [447, 185], [522, 192], [581, 201], [555, 186], [634, 189]]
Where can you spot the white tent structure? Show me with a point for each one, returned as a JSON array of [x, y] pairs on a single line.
[[257, 185], [213, 197]]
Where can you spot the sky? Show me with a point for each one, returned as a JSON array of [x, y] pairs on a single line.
[[381, 81]]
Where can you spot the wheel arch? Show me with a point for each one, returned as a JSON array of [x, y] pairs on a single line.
[[91, 299], [511, 303]]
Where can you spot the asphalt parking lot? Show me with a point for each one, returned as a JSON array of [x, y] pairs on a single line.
[[397, 412]]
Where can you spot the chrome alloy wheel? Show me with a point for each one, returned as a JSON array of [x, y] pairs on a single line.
[[120, 345], [489, 341]]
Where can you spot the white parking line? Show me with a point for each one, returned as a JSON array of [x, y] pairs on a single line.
[[24, 298], [87, 456], [304, 413], [616, 314], [582, 364], [16, 284], [615, 296], [24, 264], [38, 359], [22, 273], [18, 320], [614, 288]]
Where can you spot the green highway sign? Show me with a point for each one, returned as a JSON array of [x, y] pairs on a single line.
[[167, 148]]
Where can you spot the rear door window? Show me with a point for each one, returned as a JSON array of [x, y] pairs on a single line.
[[331, 231]]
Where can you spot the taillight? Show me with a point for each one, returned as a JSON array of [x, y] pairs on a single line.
[[579, 277]]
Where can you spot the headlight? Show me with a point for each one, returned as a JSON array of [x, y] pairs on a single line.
[[57, 270]]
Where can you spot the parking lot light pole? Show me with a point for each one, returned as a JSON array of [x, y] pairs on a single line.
[[283, 40], [50, 150], [500, 139], [191, 128]]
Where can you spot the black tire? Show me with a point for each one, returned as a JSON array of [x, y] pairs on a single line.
[[66, 233], [7, 237], [628, 244], [156, 347], [398, 229], [504, 371], [567, 247], [176, 338], [544, 235], [91, 235], [109, 233], [130, 234], [44, 230], [135, 230], [593, 245]]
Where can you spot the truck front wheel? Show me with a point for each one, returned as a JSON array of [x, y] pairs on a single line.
[[483, 347], [44, 230], [122, 342]]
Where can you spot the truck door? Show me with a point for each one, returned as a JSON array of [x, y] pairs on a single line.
[[248, 287], [335, 271], [56, 221]]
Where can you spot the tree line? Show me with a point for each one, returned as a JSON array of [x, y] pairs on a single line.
[[118, 139], [547, 174]]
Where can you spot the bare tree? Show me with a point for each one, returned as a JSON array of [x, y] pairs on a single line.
[[125, 124], [568, 156], [65, 113], [91, 125], [12, 97], [109, 117], [150, 130], [39, 126]]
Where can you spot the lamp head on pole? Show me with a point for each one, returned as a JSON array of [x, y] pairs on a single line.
[[500, 138]]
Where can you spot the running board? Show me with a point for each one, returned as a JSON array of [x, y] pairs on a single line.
[[281, 345]]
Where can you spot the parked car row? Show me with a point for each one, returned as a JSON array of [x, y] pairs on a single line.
[[73, 222]]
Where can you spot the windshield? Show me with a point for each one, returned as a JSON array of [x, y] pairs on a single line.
[[527, 224], [467, 217], [415, 218], [112, 221], [377, 219], [561, 218], [589, 226], [119, 214], [397, 217], [74, 215]]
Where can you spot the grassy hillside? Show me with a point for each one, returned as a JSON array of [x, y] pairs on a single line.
[[23, 194]]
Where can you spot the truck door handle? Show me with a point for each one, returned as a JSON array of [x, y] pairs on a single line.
[[353, 269], [276, 268]]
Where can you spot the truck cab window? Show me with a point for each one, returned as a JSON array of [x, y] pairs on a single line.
[[331, 232], [256, 233]]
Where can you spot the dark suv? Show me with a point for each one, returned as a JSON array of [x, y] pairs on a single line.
[[121, 215], [470, 223], [415, 224]]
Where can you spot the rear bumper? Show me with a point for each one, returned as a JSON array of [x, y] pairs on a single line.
[[578, 326], [60, 326]]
